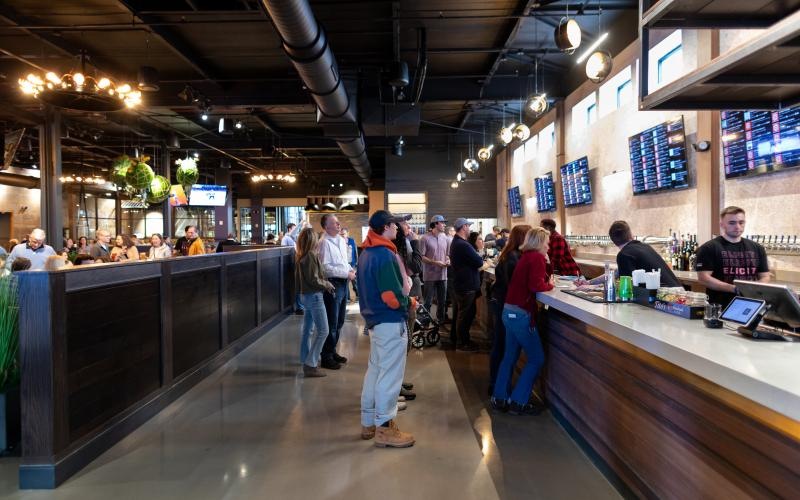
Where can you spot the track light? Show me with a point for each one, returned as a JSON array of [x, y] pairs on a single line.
[[397, 149]]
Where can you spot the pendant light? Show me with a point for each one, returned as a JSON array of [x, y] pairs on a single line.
[[485, 152], [599, 62], [521, 131], [567, 34], [506, 133], [537, 102], [471, 164]]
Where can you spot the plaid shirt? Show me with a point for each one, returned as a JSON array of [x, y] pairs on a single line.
[[561, 261]]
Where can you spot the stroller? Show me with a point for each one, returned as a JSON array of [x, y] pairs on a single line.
[[425, 329]]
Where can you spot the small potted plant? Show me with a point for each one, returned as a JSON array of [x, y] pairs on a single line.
[[9, 364]]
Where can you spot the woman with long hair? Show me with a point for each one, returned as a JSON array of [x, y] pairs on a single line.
[[311, 284], [124, 249], [158, 249], [530, 276], [83, 245], [502, 275]]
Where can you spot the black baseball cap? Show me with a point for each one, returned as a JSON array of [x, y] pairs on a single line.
[[382, 218]]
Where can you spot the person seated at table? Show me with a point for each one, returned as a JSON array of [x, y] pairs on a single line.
[[124, 249], [158, 249]]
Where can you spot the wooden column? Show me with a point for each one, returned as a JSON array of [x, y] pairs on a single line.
[[707, 163], [50, 160], [166, 210], [561, 147]]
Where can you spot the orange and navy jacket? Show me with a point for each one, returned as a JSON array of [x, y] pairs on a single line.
[[380, 285]]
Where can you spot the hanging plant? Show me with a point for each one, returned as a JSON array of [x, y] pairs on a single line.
[[119, 169], [140, 175], [159, 189], [187, 173], [9, 333]]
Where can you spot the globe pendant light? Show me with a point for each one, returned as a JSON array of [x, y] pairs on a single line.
[[537, 103], [567, 35], [598, 66], [485, 152], [522, 132], [471, 164]]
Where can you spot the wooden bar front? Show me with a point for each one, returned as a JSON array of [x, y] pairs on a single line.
[[104, 348], [663, 431]]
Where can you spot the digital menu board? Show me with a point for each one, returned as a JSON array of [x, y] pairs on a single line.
[[759, 142], [514, 202], [545, 193], [575, 183], [658, 158]]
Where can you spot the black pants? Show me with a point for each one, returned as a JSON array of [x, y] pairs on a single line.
[[336, 309], [465, 303]]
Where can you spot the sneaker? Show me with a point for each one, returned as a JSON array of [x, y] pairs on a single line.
[[531, 408], [401, 399], [500, 405], [313, 371], [339, 359], [408, 394], [367, 432], [401, 405], [392, 437], [330, 364], [408, 385], [468, 347]]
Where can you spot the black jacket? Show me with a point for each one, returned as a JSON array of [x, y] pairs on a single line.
[[637, 255], [466, 265]]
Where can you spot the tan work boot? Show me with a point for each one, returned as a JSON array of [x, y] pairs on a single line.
[[392, 437], [367, 432]]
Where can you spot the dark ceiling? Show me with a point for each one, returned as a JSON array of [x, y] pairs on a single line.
[[480, 64]]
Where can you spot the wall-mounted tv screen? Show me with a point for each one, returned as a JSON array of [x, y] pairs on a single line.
[[515, 202], [207, 195], [658, 158], [575, 183], [545, 193], [760, 142]]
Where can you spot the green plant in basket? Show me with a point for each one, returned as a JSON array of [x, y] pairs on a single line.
[[187, 173], [159, 189], [9, 333], [140, 175], [119, 169]]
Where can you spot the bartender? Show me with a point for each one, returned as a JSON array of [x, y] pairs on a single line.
[[730, 257], [633, 254]]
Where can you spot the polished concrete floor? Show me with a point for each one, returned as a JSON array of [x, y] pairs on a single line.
[[257, 429]]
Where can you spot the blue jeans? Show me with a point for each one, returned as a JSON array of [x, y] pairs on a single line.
[[519, 334], [336, 309], [387, 365], [298, 302], [498, 343], [311, 345]]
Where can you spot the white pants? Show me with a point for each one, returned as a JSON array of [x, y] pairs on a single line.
[[387, 365]]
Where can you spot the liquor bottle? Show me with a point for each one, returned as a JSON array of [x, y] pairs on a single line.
[[608, 284]]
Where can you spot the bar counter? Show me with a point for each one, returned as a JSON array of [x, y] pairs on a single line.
[[105, 347], [671, 408]]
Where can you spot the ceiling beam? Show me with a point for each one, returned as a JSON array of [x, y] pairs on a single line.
[[266, 122], [523, 9], [174, 42]]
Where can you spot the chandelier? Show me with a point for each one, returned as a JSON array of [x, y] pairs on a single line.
[[287, 178], [80, 91], [78, 179]]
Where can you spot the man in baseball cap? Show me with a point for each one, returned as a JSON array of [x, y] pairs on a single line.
[[438, 218], [466, 264], [435, 248], [384, 307]]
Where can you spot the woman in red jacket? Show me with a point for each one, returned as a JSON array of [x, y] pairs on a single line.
[[530, 276]]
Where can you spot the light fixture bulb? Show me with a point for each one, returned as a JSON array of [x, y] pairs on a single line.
[[568, 35], [460, 177], [79, 79], [537, 104], [103, 83], [506, 135], [472, 165], [522, 132], [204, 117], [238, 124], [454, 184], [598, 66], [484, 154]]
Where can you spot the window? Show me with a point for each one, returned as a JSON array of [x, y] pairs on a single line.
[[530, 148], [666, 61], [624, 93], [584, 113], [591, 114], [546, 138], [519, 158]]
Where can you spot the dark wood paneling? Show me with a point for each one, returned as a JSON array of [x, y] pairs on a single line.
[[195, 318], [429, 171], [666, 432], [288, 281], [113, 351], [271, 288], [241, 300]]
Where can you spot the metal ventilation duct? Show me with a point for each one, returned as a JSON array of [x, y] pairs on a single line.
[[307, 46]]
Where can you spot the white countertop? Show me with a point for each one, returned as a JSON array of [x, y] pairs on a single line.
[[685, 276], [766, 372]]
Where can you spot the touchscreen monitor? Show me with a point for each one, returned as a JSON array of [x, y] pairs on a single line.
[[742, 310]]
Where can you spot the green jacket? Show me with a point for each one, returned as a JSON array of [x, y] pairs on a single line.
[[308, 275]]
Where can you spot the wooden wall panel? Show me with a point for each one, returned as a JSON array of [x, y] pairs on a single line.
[[196, 318], [666, 432], [113, 351], [241, 299]]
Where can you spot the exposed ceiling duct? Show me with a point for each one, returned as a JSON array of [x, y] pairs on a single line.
[[306, 44]]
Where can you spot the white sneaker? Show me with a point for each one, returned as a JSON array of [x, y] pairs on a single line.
[[401, 406], [401, 399]]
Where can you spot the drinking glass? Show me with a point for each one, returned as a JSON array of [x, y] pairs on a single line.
[[625, 288], [711, 315]]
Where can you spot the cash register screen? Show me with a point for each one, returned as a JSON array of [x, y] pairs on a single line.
[[742, 310]]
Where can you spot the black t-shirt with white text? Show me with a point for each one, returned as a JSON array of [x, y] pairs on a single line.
[[731, 261]]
